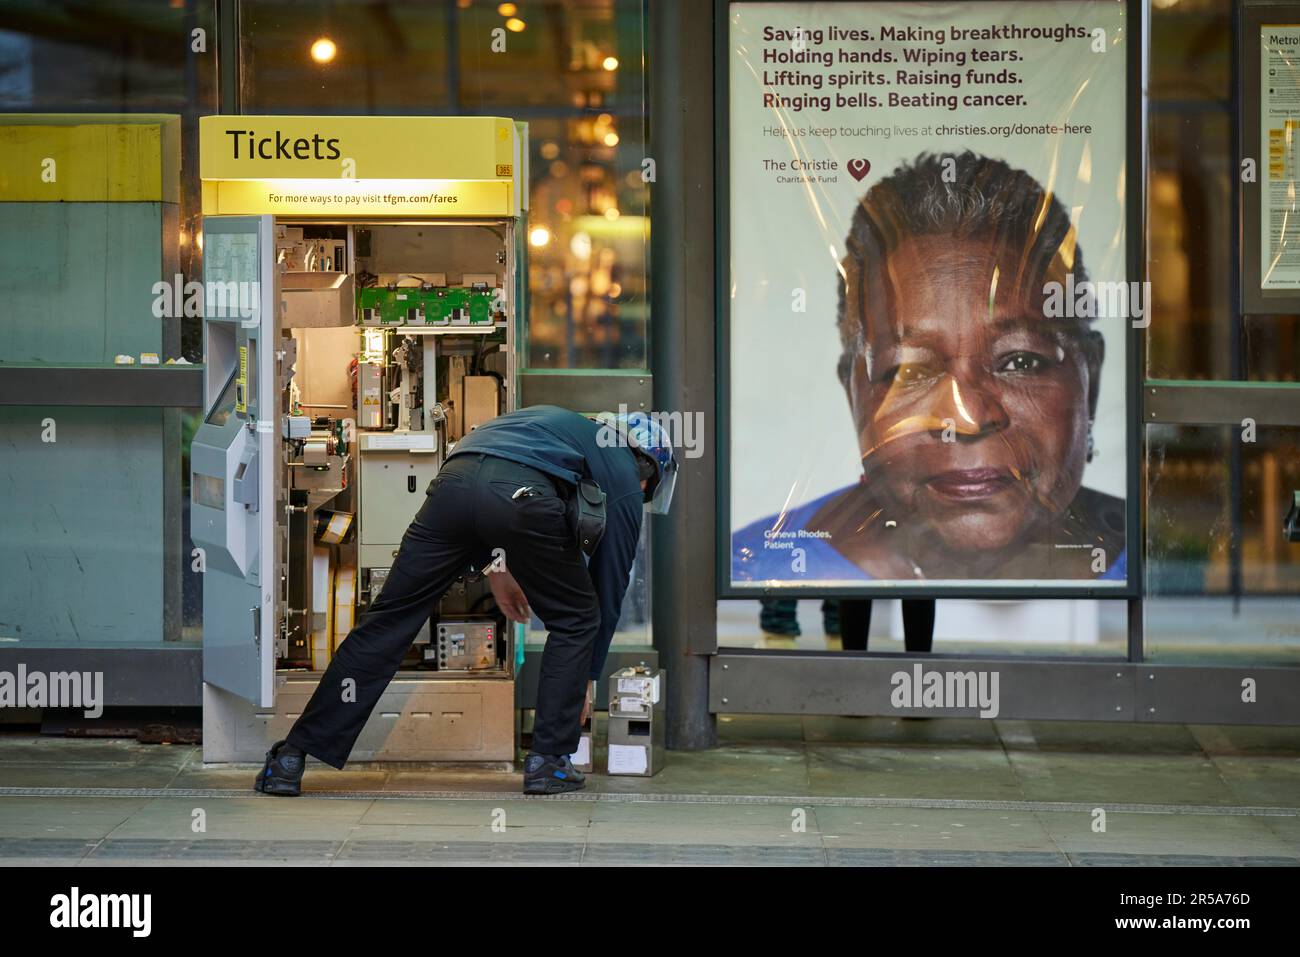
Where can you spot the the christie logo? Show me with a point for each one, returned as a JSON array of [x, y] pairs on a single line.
[[246, 144], [76, 909], [946, 689]]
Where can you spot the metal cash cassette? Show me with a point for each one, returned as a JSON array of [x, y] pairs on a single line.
[[636, 721]]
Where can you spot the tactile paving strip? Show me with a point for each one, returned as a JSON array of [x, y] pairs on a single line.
[[466, 852], [215, 850], [1095, 859], [785, 800], [703, 855], [893, 857], [23, 848]]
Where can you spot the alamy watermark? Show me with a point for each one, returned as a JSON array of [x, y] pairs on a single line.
[[1098, 300], [172, 300], [76, 910], [53, 689], [946, 690], [684, 429]]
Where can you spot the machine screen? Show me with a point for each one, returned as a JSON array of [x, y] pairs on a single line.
[[209, 490]]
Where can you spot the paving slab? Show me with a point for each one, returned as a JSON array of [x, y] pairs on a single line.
[[941, 829], [1261, 781], [1120, 778], [671, 834], [944, 732], [728, 769], [892, 772], [518, 813], [1245, 740], [1097, 737], [1217, 835], [255, 818], [485, 833]]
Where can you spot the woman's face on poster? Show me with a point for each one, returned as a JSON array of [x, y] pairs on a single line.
[[972, 407]]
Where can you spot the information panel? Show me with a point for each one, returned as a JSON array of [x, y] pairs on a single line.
[[1279, 122]]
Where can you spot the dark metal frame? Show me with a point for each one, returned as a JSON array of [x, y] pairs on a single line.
[[1252, 14], [159, 676], [682, 127], [229, 81], [1221, 403], [1052, 689], [165, 386], [1135, 227], [586, 391]]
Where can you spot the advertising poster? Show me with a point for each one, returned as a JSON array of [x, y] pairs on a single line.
[[928, 295], [1279, 84]]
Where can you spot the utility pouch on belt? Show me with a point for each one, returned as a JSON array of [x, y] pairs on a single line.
[[590, 501]]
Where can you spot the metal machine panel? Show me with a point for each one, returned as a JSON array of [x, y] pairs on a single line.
[[234, 493], [224, 528], [392, 490], [420, 718], [466, 645], [481, 401]]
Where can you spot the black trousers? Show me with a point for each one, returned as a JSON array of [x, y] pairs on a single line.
[[469, 511], [918, 623]]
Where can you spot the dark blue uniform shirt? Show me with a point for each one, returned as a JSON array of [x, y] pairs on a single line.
[[563, 444]]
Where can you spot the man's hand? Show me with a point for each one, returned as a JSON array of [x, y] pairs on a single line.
[[586, 707], [509, 596]]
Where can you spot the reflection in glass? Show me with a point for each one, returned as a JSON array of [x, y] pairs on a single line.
[[573, 71], [1200, 597]]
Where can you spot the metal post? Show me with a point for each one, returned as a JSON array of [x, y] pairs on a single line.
[[453, 56], [1136, 633], [680, 41], [1236, 329], [228, 57]]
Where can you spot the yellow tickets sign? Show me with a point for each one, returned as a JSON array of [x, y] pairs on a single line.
[[371, 165]]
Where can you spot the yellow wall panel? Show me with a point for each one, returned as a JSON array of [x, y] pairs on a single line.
[[69, 158]]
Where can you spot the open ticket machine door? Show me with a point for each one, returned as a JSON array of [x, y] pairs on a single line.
[[363, 282]]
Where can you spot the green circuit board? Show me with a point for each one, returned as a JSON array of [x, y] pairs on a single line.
[[418, 306]]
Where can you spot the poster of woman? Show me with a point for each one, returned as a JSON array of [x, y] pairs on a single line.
[[929, 299]]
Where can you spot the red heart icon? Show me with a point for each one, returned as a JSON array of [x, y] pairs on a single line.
[[859, 168]]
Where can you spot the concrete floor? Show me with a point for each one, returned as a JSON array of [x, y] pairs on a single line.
[[777, 790]]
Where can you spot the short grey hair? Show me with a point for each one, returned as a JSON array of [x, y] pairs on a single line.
[[978, 198]]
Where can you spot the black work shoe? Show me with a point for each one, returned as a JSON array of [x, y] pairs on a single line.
[[282, 773], [551, 774]]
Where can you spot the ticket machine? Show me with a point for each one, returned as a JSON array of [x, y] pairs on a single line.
[[363, 290]]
